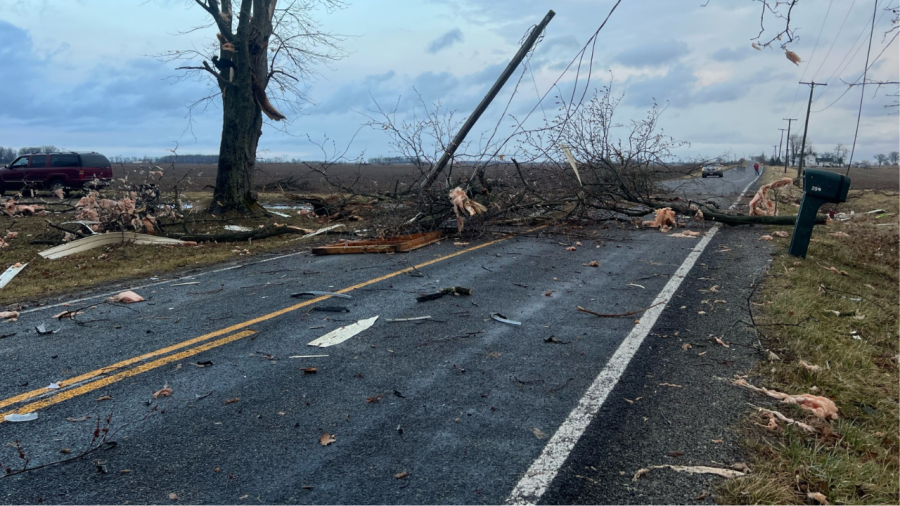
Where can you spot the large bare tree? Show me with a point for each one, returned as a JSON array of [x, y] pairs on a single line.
[[262, 49]]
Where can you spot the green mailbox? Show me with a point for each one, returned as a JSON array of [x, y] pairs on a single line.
[[819, 187]]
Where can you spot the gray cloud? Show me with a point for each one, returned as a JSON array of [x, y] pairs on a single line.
[[444, 41], [651, 55], [727, 54]]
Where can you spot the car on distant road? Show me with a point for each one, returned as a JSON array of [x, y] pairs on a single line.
[[56, 171], [712, 170]]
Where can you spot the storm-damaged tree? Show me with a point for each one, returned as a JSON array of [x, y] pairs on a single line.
[[271, 51]]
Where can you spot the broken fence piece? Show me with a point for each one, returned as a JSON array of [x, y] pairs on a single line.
[[451, 290], [417, 318], [502, 319], [397, 244], [341, 334], [96, 241], [314, 293], [10, 273], [16, 417]]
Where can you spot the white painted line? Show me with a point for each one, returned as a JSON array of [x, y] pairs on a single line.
[[534, 483]]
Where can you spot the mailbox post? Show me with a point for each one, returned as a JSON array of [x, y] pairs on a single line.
[[819, 187]]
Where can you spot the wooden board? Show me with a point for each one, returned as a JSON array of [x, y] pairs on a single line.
[[397, 244]]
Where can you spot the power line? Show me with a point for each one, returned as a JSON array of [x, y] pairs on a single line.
[[816, 45], [862, 93], [836, 35]]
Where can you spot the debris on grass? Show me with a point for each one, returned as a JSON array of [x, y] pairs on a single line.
[[810, 367], [781, 233], [10, 273], [341, 334], [819, 497], [773, 415], [110, 238], [765, 238], [822, 407], [760, 205], [127, 297]]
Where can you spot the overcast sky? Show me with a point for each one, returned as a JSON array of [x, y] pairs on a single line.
[[80, 74]]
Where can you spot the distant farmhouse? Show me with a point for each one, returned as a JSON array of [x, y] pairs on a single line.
[[811, 160]]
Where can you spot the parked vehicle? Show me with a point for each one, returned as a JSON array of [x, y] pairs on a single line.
[[56, 171], [712, 170]]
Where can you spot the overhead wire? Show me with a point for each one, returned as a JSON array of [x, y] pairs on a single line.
[[834, 40], [863, 92]]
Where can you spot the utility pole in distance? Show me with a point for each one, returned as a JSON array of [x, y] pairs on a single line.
[[780, 142], [774, 153], [789, 120], [812, 86]]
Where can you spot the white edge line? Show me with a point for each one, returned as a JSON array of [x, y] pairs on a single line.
[[537, 479]]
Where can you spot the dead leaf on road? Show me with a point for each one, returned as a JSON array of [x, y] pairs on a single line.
[[402, 475], [538, 433], [721, 342], [326, 439], [230, 401], [639, 473], [173, 496], [686, 346], [104, 398], [669, 385], [79, 419], [375, 398], [310, 370]]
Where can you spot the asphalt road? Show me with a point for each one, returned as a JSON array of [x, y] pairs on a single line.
[[563, 408]]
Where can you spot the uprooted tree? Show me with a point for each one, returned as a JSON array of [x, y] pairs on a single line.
[[269, 46]]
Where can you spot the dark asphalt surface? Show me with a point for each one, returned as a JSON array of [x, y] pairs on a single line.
[[462, 403]]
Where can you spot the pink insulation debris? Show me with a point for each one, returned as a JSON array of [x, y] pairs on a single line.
[[126, 297], [664, 220], [760, 205], [462, 205]]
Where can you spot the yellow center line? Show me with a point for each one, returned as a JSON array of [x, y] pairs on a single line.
[[100, 383], [205, 337]]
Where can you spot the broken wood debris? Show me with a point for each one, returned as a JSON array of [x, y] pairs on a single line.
[[502, 319], [603, 315], [398, 244], [10, 273], [96, 241], [452, 290], [315, 293]]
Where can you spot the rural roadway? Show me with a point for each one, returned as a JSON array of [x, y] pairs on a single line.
[[458, 408]]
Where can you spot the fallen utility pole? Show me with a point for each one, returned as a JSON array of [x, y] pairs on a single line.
[[486, 101], [812, 86]]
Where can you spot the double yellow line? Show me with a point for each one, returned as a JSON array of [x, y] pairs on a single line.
[[87, 382]]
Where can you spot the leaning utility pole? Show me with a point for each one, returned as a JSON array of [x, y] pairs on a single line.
[[486, 101], [786, 158], [812, 86], [774, 153], [781, 141]]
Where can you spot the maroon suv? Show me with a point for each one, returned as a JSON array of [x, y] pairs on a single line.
[[56, 171]]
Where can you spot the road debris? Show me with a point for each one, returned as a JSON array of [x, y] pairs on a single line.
[[315, 293], [554, 340], [237, 228], [341, 334], [687, 233], [107, 239], [413, 319], [16, 417], [307, 356], [664, 220], [233, 400], [9, 315], [310, 370], [399, 244], [725, 473], [502, 319], [592, 263], [538, 433], [331, 309], [127, 297], [10, 273], [453, 290], [720, 341], [104, 398], [673, 385], [463, 205], [822, 407], [163, 392], [603, 315], [327, 439], [42, 331]]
